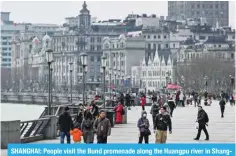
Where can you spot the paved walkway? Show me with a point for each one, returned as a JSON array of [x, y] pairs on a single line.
[[221, 130]]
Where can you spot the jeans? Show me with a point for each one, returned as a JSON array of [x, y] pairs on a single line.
[[102, 139], [63, 135], [146, 138]]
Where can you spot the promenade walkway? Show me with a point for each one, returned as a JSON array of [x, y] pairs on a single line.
[[221, 130]]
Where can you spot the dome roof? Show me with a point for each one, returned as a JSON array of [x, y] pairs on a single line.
[[46, 38]]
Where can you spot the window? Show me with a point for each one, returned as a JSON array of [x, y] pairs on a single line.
[[214, 45], [92, 39], [232, 55], [233, 37], [4, 38], [198, 6], [173, 45], [219, 45], [222, 6], [144, 36], [122, 63], [98, 59], [148, 36], [164, 36], [92, 58], [203, 5], [192, 13], [159, 46], [144, 73], [193, 6], [167, 45], [211, 6], [99, 39], [99, 47], [9, 54], [217, 6], [198, 13], [92, 47], [202, 37], [4, 49], [159, 36], [9, 49], [4, 43], [155, 36], [154, 46], [149, 46]]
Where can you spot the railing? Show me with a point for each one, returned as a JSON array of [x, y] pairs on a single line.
[[33, 127]]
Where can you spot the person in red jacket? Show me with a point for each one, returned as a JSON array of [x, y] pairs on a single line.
[[143, 102], [119, 109]]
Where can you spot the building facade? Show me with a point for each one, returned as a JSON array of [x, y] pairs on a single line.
[[122, 53], [214, 11], [156, 74]]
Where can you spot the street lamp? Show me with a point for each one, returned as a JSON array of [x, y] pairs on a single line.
[[231, 82], [110, 72], [103, 64], [71, 69], [115, 79], [206, 83], [51, 69], [49, 58], [83, 58]]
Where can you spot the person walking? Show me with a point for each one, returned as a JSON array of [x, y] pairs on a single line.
[[87, 128], [222, 107], [143, 102], [162, 123], [143, 125], [171, 105], [154, 111], [127, 100], [80, 115], [102, 128], [66, 124], [202, 119], [119, 109], [181, 98], [94, 110]]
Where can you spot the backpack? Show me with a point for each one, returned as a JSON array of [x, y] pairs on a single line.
[[88, 124], [206, 118], [155, 108], [123, 112]]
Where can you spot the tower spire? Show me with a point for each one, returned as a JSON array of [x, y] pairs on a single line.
[[84, 5]]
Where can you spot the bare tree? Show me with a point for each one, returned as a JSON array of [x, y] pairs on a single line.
[[208, 71]]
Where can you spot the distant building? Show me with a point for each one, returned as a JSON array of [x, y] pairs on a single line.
[[123, 53], [154, 75], [214, 11]]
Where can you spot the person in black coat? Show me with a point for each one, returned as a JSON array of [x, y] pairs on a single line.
[[202, 120], [127, 99], [171, 105], [122, 99], [94, 110], [66, 124], [222, 107]]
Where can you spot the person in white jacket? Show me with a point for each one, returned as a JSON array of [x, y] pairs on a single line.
[[181, 98]]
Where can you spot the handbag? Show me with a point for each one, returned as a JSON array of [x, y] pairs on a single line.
[[147, 132]]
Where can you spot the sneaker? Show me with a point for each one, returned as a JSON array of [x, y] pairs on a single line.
[[195, 139], [207, 139]]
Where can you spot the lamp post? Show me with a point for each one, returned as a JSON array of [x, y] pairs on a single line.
[[71, 70], [115, 79], [103, 64], [206, 83], [49, 58], [110, 72], [83, 58], [51, 69], [231, 83]]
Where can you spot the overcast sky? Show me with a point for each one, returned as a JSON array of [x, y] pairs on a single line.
[[55, 11]]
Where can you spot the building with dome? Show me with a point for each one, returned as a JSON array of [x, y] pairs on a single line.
[[158, 72]]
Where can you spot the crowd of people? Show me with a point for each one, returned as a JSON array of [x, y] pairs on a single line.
[[90, 122]]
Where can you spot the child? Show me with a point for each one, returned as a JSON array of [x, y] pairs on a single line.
[[76, 133]]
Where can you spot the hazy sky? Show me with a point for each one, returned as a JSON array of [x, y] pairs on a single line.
[[56, 11]]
